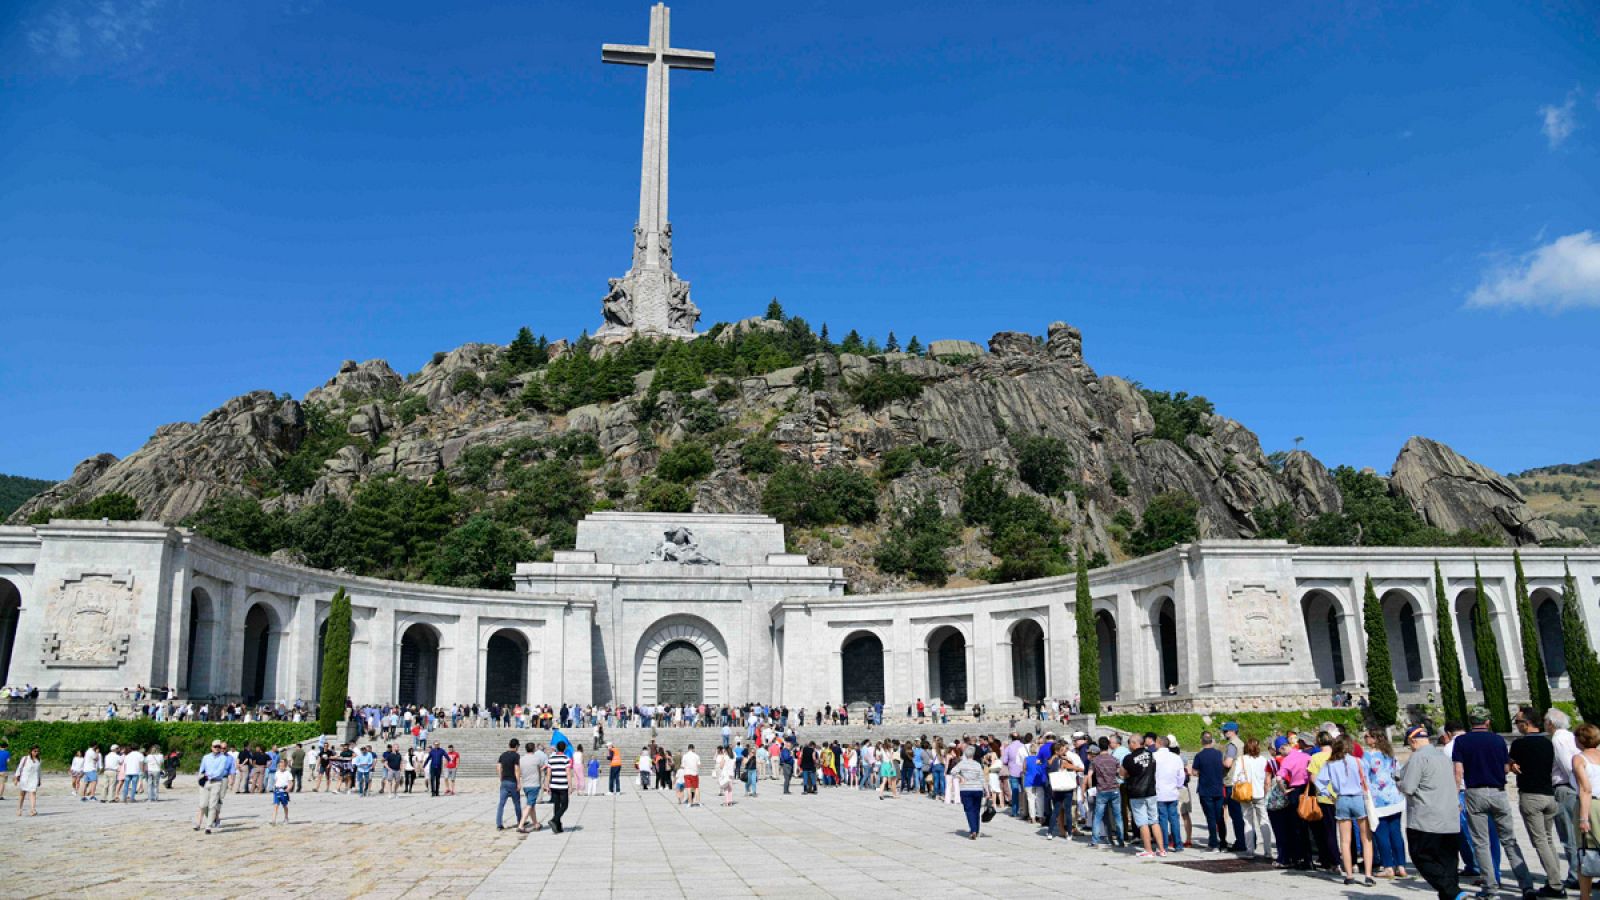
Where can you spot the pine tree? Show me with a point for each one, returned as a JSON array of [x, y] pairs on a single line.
[[335, 664], [1532, 662], [525, 352], [1491, 677], [822, 338], [914, 347], [1453, 694], [852, 343], [1088, 643], [775, 310], [1383, 701], [1583, 669], [892, 345]]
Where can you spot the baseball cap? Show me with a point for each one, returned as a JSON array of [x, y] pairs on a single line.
[[1230, 726], [1280, 743], [1478, 714], [1417, 731], [1305, 737]]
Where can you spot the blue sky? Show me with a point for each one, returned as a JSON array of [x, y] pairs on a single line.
[[1350, 225]]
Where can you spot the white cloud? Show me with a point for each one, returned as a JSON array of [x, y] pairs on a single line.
[[113, 29], [1559, 121], [1562, 274]]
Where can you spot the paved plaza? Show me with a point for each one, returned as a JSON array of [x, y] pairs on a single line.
[[841, 843]]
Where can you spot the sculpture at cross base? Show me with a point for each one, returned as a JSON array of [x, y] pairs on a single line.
[[651, 299]]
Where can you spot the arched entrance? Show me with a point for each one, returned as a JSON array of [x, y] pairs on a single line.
[[419, 666], [947, 666], [1028, 661], [861, 668], [506, 669], [1405, 642], [202, 643], [1324, 624], [10, 613], [1106, 634], [1166, 626], [261, 643], [708, 680], [1467, 632], [680, 675], [1547, 619]]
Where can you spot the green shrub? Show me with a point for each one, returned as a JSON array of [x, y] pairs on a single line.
[[57, 741], [798, 497], [758, 455], [1044, 463], [685, 462], [116, 506], [882, 387], [238, 520], [411, 408], [1168, 521], [917, 543], [1119, 482], [466, 383], [656, 495], [1178, 415], [1186, 727]]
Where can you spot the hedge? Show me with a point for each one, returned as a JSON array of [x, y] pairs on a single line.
[[1187, 726], [58, 741]]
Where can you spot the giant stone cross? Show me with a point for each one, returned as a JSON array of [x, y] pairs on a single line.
[[651, 299]]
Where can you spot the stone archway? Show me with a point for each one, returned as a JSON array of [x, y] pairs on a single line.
[[1324, 623], [202, 644], [688, 633], [1105, 628], [861, 669], [947, 666], [10, 614], [1466, 636], [1028, 663], [1164, 620], [263, 641], [419, 666], [1402, 621], [506, 668], [1547, 620]]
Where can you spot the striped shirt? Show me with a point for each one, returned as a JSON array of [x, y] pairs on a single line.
[[559, 764]]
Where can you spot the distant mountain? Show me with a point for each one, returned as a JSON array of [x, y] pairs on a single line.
[[1568, 493], [15, 490]]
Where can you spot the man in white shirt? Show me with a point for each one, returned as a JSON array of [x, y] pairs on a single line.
[[91, 773], [1170, 778], [1559, 726], [152, 772], [132, 769], [689, 767], [111, 775]]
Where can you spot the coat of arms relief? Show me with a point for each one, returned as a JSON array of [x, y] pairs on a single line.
[[90, 621], [1260, 633]]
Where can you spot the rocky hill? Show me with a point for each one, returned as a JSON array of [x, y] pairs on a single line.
[[842, 441], [1567, 493]]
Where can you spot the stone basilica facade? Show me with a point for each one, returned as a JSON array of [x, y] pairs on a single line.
[[653, 608]]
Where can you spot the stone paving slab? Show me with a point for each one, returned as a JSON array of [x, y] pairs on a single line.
[[840, 843]]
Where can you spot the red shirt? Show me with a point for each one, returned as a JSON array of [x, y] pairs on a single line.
[[451, 758]]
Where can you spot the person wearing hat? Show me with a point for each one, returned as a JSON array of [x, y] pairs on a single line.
[[216, 768], [1232, 748], [1433, 830], [1480, 758]]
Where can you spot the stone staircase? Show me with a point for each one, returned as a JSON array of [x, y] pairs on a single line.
[[480, 747]]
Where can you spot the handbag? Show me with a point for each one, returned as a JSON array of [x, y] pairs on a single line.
[[1588, 858], [1309, 808], [1277, 795], [1063, 780], [1244, 792], [988, 811]]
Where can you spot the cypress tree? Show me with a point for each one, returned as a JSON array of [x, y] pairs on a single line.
[[1088, 643], [1532, 662], [1491, 677], [1452, 693], [1383, 701], [1583, 669], [335, 664]]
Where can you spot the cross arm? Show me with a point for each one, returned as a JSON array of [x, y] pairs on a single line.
[[704, 60], [627, 54]]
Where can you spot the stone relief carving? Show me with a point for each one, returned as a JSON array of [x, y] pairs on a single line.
[[640, 245], [1260, 634], [90, 617], [682, 314], [679, 546], [617, 307]]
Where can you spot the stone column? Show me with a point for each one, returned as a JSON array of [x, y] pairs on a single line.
[[303, 658], [384, 646], [228, 676], [467, 678], [1061, 642]]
